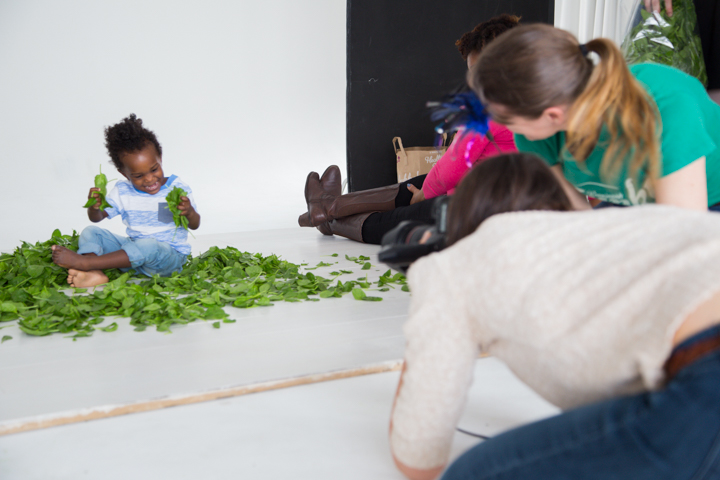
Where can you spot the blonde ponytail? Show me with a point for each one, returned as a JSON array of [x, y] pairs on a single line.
[[614, 98]]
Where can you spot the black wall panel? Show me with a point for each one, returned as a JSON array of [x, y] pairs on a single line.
[[400, 54]]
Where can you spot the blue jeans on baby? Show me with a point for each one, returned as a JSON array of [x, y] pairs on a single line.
[[669, 434], [147, 255]]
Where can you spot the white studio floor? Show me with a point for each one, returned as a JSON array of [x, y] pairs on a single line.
[[333, 429]]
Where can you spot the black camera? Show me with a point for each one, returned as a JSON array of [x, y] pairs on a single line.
[[401, 246]]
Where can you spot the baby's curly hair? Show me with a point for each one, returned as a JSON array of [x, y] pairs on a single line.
[[128, 136], [484, 33]]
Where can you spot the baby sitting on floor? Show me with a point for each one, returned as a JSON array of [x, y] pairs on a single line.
[[154, 246]]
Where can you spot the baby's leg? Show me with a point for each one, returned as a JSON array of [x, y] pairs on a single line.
[[99, 241], [152, 257], [64, 257], [98, 249]]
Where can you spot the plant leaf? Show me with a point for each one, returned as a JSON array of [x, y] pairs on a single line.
[[358, 293]]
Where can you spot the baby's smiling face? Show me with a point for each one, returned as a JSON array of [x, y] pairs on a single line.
[[144, 169]]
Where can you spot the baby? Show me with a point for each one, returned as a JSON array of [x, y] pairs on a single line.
[[153, 246]]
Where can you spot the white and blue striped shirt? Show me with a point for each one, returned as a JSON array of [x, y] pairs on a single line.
[[147, 216]]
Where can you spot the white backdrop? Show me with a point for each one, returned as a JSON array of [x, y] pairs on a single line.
[[589, 19], [246, 98]]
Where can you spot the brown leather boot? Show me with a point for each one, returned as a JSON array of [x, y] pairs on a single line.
[[331, 181], [323, 207], [304, 221], [331, 185], [350, 226]]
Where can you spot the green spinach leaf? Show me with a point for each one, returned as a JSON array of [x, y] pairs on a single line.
[[101, 182]]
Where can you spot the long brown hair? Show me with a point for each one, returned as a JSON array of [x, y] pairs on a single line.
[[534, 67], [510, 182]]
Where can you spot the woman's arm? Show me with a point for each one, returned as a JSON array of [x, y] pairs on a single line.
[[685, 188], [452, 167], [578, 201], [440, 339], [416, 473], [408, 471]]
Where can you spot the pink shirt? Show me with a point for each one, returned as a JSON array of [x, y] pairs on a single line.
[[449, 170]]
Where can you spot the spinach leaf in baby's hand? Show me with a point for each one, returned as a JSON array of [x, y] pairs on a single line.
[[173, 199], [101, 182]]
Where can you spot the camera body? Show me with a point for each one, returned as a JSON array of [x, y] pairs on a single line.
[[401, 246]]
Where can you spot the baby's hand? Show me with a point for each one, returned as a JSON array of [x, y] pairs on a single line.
[[95, 193], [185, 206]]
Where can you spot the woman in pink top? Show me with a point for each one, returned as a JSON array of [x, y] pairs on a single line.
[[367, 215]]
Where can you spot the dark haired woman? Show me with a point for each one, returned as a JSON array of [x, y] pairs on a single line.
[[645, 134], [367, 215], [625, 341]]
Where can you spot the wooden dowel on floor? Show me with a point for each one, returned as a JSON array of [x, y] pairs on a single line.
[[107, 411]]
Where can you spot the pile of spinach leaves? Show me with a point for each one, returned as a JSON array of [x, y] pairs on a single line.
[[667, 40], [33, 290]]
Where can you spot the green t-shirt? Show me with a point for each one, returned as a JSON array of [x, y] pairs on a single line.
[[690, 130]]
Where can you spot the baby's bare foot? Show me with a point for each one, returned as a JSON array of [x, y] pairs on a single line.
[[80, 279], [66, 258]]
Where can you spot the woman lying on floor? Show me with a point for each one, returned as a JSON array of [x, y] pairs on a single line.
[[367, 215], [626, 340]]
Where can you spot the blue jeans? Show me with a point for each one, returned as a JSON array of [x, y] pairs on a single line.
[[669, 434], [147, 255]]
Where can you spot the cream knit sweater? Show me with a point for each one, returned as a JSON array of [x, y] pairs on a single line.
[[582, 306]]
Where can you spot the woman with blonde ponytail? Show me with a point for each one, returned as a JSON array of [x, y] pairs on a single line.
[[624, 135]]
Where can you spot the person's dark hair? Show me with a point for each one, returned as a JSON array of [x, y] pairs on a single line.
[[128, 136], [511, 182], [484, 33]]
